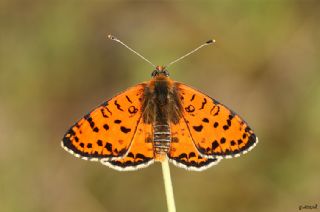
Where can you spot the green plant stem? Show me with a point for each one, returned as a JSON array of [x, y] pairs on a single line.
[[168, 185]]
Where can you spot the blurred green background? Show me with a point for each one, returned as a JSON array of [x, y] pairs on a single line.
[[56, 64]]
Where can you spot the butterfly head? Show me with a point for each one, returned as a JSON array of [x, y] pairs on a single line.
[[160, 71]]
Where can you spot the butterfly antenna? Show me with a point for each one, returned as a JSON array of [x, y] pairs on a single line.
[[111, 37], [209, 42]]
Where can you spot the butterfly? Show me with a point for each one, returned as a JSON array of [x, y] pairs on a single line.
[[157, 120]]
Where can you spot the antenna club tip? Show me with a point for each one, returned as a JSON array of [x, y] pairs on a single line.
[[111, 37], [211, 41]]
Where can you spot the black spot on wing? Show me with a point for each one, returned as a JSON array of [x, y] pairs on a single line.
[[109, 111], [229, 122], [117, 121], [192, 154], [108, 146], [96, 129], [99, 142], [214, 145], [192, 98], [132, 110], [215, 110], [118, 105], [205, 120], [129, 100], [203, 103], [106, 127], [91, 123], [183, 155], [225, 127], [130, 155], [124, 129], [141, 156], [223, 140], [198, 128], [103, 113], [190, 109]]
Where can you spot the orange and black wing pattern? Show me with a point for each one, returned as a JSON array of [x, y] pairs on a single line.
[[110, 131], [140, 153], [215, 130], [183, 152]]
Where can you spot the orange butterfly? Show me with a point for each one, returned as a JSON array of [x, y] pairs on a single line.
[[156, 120]]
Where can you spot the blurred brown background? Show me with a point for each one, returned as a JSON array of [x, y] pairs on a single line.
[[56, 64]]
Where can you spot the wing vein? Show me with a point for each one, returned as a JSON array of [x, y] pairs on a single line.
[[133, 136]]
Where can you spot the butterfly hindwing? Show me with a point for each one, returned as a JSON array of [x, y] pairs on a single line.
[[140, 153], [107, 131], [215, 130], [183, 152]]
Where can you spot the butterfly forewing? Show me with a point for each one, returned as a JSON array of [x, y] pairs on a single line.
[[107, 131], [215, 130]]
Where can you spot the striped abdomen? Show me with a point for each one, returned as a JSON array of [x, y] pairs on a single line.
[[161, 140]]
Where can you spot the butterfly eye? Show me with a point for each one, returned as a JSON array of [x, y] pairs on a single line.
[[166, 73], [154, 73]]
